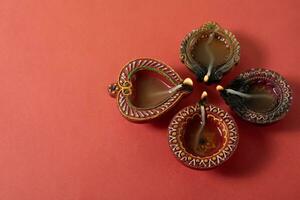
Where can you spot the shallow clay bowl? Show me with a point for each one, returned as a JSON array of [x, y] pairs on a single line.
[[143, 89], [218, 142], [272, 104], [224, 47]]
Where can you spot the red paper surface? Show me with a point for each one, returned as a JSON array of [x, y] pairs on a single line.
[[62, 136]]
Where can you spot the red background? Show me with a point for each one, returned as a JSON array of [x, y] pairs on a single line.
[[62, 136]]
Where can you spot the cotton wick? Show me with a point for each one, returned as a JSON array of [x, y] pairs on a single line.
[[210, 55], [202, 125], [175, 88], [241, 94], [219, 88], [186, 84]]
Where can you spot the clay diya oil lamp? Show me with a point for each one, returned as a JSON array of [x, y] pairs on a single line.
[[209, 52], [202, 136], [147, 88], [259, 95]]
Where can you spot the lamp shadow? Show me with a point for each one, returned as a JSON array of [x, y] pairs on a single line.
[[254, 151], [252, 154], [290, 123]]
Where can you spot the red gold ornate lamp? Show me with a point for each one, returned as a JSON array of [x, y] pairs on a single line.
[[147, 88], [210, 52], [203, 136], [259, 96]]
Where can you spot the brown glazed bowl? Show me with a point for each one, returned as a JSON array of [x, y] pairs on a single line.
[[224, 48], [220, 137], [147, 88], [273, 103]]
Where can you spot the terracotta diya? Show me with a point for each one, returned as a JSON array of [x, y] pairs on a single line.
[[147, 88], [259, 95], [203, 136], [209, 52]]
